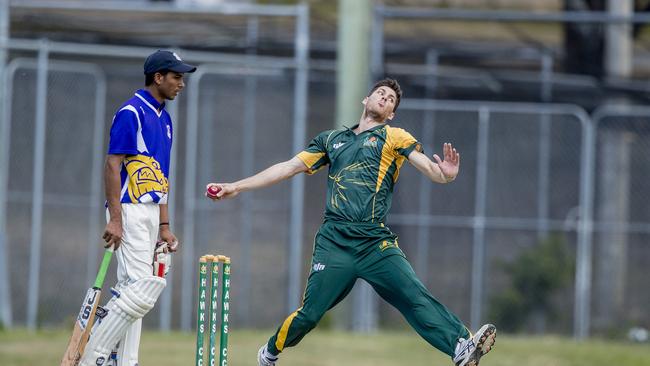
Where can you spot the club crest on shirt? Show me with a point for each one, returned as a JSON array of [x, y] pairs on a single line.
[[387, 244], [145, 176], [370, 142]]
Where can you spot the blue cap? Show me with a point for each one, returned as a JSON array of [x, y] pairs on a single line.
[[166, 60]]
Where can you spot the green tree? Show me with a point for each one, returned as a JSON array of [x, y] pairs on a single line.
[[536, 274]]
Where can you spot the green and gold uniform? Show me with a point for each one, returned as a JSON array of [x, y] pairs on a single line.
[[353, 241]]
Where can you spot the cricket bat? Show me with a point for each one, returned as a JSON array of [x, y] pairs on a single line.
[[86, 316]]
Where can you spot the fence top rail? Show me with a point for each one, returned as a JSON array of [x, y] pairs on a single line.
[[140, 52], [619, 110], [62, 66], [147, 7], [507, 15], [510, 107]]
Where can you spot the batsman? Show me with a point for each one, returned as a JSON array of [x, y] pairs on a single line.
[[136, 179], [353, 241]]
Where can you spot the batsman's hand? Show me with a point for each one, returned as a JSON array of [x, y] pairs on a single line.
[[167, 236], [113, 234], [162, 258], [225, 190]]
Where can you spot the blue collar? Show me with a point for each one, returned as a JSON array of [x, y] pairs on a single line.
[[144, 93]]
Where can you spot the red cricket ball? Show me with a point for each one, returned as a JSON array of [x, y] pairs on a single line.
[[212, 191]]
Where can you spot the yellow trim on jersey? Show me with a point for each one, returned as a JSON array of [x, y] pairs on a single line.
[[328, 138], [309, 159], [282, 334], [387, 158], [385, 162], [400, 161], [396, 138]]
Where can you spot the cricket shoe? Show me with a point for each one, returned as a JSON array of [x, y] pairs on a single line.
[[469, 351], [264, 358]]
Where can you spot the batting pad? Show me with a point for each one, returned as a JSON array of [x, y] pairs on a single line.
[[132, 304]]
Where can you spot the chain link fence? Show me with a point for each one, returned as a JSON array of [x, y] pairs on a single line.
[[520, 183], [526, 181]]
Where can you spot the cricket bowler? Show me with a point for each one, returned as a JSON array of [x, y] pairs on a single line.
[[353, 242]]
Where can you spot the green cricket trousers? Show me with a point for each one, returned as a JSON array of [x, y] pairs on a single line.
[[345, 251]]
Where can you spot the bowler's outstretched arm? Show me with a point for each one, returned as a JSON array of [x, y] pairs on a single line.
[[265, 178]]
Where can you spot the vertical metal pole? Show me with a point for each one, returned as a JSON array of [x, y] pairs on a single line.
[[353, 80], [37, 186], [299, 131], [189, 198], [544, 158], [478, 252], [166, 297], [353, 56], [428, 129], [377, 43], [96, 202], [5, 283], [582, 310], [609, 281], [619, 47], [248, 166]]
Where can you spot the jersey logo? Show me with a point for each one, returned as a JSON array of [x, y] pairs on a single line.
[[318, 267], [337, 145], [169, 132], [346, 177], [177, 56], [145, 176], [386, 244], [370, 142]]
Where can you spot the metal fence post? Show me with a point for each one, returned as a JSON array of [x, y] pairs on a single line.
[[582, 310], [96, 201], [5, 283], [544, 160], [165, 317], [478, 251], [299, 131], [37, 187], [428, 130], [189, 205]]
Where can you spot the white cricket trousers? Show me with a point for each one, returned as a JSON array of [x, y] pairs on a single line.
[[134, 261]]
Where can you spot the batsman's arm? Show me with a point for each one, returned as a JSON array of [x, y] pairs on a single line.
[[271, 175], [113, 232], [165, 231], [164, 216]]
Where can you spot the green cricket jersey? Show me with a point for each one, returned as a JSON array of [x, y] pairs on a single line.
[[362, 169]]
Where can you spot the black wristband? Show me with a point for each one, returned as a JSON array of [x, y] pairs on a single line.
[[163, 223]]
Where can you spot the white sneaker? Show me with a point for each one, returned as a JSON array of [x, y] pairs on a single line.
[[469, 351], [264, 358]]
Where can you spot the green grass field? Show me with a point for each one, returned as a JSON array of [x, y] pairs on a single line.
[[325, 348]]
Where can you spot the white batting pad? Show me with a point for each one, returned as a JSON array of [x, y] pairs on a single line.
[[132, 304], [127, 353]]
